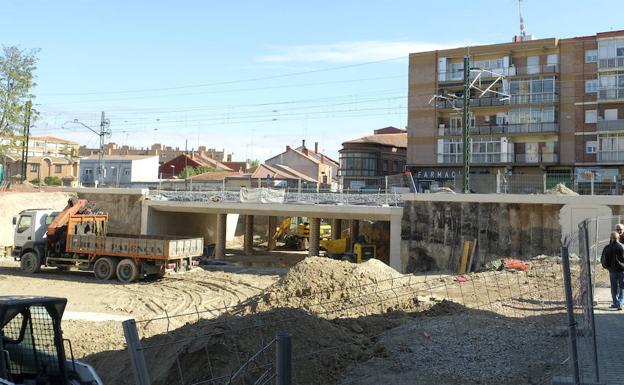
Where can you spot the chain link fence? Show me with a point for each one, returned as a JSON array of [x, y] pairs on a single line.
[[540, 183], [498, 326]]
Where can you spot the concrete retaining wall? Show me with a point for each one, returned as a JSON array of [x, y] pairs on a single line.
[[124, 206], [434, 226]]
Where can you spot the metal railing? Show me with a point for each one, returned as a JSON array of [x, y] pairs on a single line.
[[537, 70], [610, 125], [497, 129], [543, 97], [610, 93], [347, 197], [610, 156], [477, 158], [613, 62], [537, 158], [474, 102]]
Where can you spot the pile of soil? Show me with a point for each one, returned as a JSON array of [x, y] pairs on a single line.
[[561, 189], [217, 348], [331, 288]]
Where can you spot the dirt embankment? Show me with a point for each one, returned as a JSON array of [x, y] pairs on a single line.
[[342, 335]]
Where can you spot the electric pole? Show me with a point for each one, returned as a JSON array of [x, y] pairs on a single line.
[[466, 124], [103, 132], [27, 109]]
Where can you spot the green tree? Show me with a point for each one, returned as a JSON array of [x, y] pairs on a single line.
[[253, 163], [17, 67], [187, 172]]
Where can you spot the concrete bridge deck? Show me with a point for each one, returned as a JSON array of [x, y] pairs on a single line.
[[164, 216]]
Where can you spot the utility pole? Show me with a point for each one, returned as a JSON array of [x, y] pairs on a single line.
[[103, 125], [466, 124], [27, 109]]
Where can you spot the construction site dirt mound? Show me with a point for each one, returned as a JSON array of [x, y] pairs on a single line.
[[210, 349], [331, 288], [561, 189]]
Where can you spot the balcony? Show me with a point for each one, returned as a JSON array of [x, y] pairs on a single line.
[[544, 69], [521, 128], [476, 158], [611, 63], [610, 156], [537, 158], [544, 97], [455, 76], [474, 102], [611, 93], [611, 125]]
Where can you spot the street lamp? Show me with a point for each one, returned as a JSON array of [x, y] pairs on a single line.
[[104, 132]]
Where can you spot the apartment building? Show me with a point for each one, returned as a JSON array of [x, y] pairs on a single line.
[[564, 113]]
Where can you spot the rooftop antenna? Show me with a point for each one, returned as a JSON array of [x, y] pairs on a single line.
[[522, 30]]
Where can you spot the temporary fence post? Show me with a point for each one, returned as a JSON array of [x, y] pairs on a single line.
[[592, 184], [283, 359], [135, 349], [590, 300], [544, 182], [223, 189], [498, 181], [565, 262]]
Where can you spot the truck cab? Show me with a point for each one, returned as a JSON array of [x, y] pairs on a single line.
[[30, 231]]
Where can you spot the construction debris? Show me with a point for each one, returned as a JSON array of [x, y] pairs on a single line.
[[561, 189]]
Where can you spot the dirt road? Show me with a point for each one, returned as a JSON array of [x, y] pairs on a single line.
[[95, 308]]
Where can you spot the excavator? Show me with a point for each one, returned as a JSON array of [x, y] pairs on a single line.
[[357, 252], [32, 347]]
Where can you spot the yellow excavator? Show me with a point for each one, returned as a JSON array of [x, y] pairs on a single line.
[[342, 248], [299, 238]]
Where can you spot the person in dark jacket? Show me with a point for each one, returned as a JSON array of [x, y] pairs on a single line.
[[613, 260]]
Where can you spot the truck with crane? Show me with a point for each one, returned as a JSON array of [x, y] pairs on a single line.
[[78, 238]]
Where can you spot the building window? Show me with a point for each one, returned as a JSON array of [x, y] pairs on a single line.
[[591, 146], [34, 167], [358, 164], [591, 86], [57, 168], [591, 56], [385, 167], [591, 116], [126, 171], [395, 166]]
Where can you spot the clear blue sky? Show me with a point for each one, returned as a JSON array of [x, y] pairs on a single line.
[[168, 71]]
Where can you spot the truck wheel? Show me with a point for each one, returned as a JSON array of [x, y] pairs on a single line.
[[104, 268], [127, 271], [30, 263]]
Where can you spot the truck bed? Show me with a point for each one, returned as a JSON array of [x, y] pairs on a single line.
[[136, 246]]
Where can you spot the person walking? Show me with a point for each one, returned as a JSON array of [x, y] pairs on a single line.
[[612, 259]]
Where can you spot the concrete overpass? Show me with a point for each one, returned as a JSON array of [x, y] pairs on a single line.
[[165, 217]]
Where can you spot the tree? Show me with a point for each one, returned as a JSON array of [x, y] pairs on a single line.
[[187, 172], [17, 67], [253, 163]]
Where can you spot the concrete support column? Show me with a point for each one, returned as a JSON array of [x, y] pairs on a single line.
[[354, 230], [248, 242], [336, 228], [395, 243], [219, 252], [271, 233], [315, 234]]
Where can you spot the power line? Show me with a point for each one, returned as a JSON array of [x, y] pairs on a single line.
[[271, 77]]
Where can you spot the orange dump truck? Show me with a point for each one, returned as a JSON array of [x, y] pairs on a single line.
[[77, 238]]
